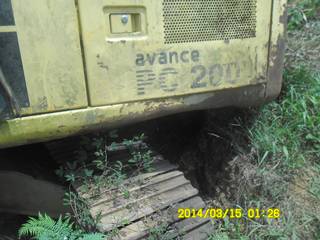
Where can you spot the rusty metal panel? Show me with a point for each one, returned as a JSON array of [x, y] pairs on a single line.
[[277, 48]]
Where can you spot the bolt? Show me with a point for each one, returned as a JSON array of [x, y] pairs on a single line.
[[125, 19]]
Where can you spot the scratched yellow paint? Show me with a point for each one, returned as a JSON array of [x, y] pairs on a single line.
[[49, 39], [57, 125], [50, 49], [111, 59]]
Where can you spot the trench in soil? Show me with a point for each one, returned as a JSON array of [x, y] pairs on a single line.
[[202, 144]]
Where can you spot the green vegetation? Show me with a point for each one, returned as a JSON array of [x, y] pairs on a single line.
[[45, 228], [159, 233], [288, 131], [282, 168], [301, 12], [94, 171]]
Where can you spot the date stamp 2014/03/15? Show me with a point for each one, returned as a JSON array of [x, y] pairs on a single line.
[[232, 213]]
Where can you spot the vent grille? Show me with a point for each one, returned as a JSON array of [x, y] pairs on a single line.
[[208, 20]]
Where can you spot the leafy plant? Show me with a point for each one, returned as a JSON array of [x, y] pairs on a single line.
[[46, 228], [142, 160], [226, 231], [315, 183], [301, 12], [296, 18], [93, 171], [81, 211], [160, 233]]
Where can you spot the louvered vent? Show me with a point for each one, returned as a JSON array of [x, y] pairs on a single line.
[[208, 20]]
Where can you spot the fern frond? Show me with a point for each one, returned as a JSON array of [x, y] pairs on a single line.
[[45, 227]]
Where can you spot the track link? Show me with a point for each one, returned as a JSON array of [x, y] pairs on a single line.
[[152, 199]]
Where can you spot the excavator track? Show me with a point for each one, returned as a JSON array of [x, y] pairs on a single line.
[[151, 203]]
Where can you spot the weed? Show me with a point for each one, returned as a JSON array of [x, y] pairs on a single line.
[[141, 159], [93, 172], [160, 232], [301, 12], [226, 231], [81, 212], [288, 131], [315, 183], [282, 168], [45, 228]]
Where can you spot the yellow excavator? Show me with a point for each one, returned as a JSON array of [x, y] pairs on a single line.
[[69, 67]]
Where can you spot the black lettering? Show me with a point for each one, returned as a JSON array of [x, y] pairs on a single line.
[[145, 78], [200, 72], [195, 56], [173, 55], [140, 60], [164, 79], [215, 74], [163, 58], [151, 58], [232, 68], [183, 56], [167, 57]]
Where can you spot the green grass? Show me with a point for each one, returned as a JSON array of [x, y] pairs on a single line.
[[300, 12], [315, 183], [286, 141], [282, 168], [289, 130]]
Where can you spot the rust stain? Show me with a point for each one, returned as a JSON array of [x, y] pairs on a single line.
[[276, 60]]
